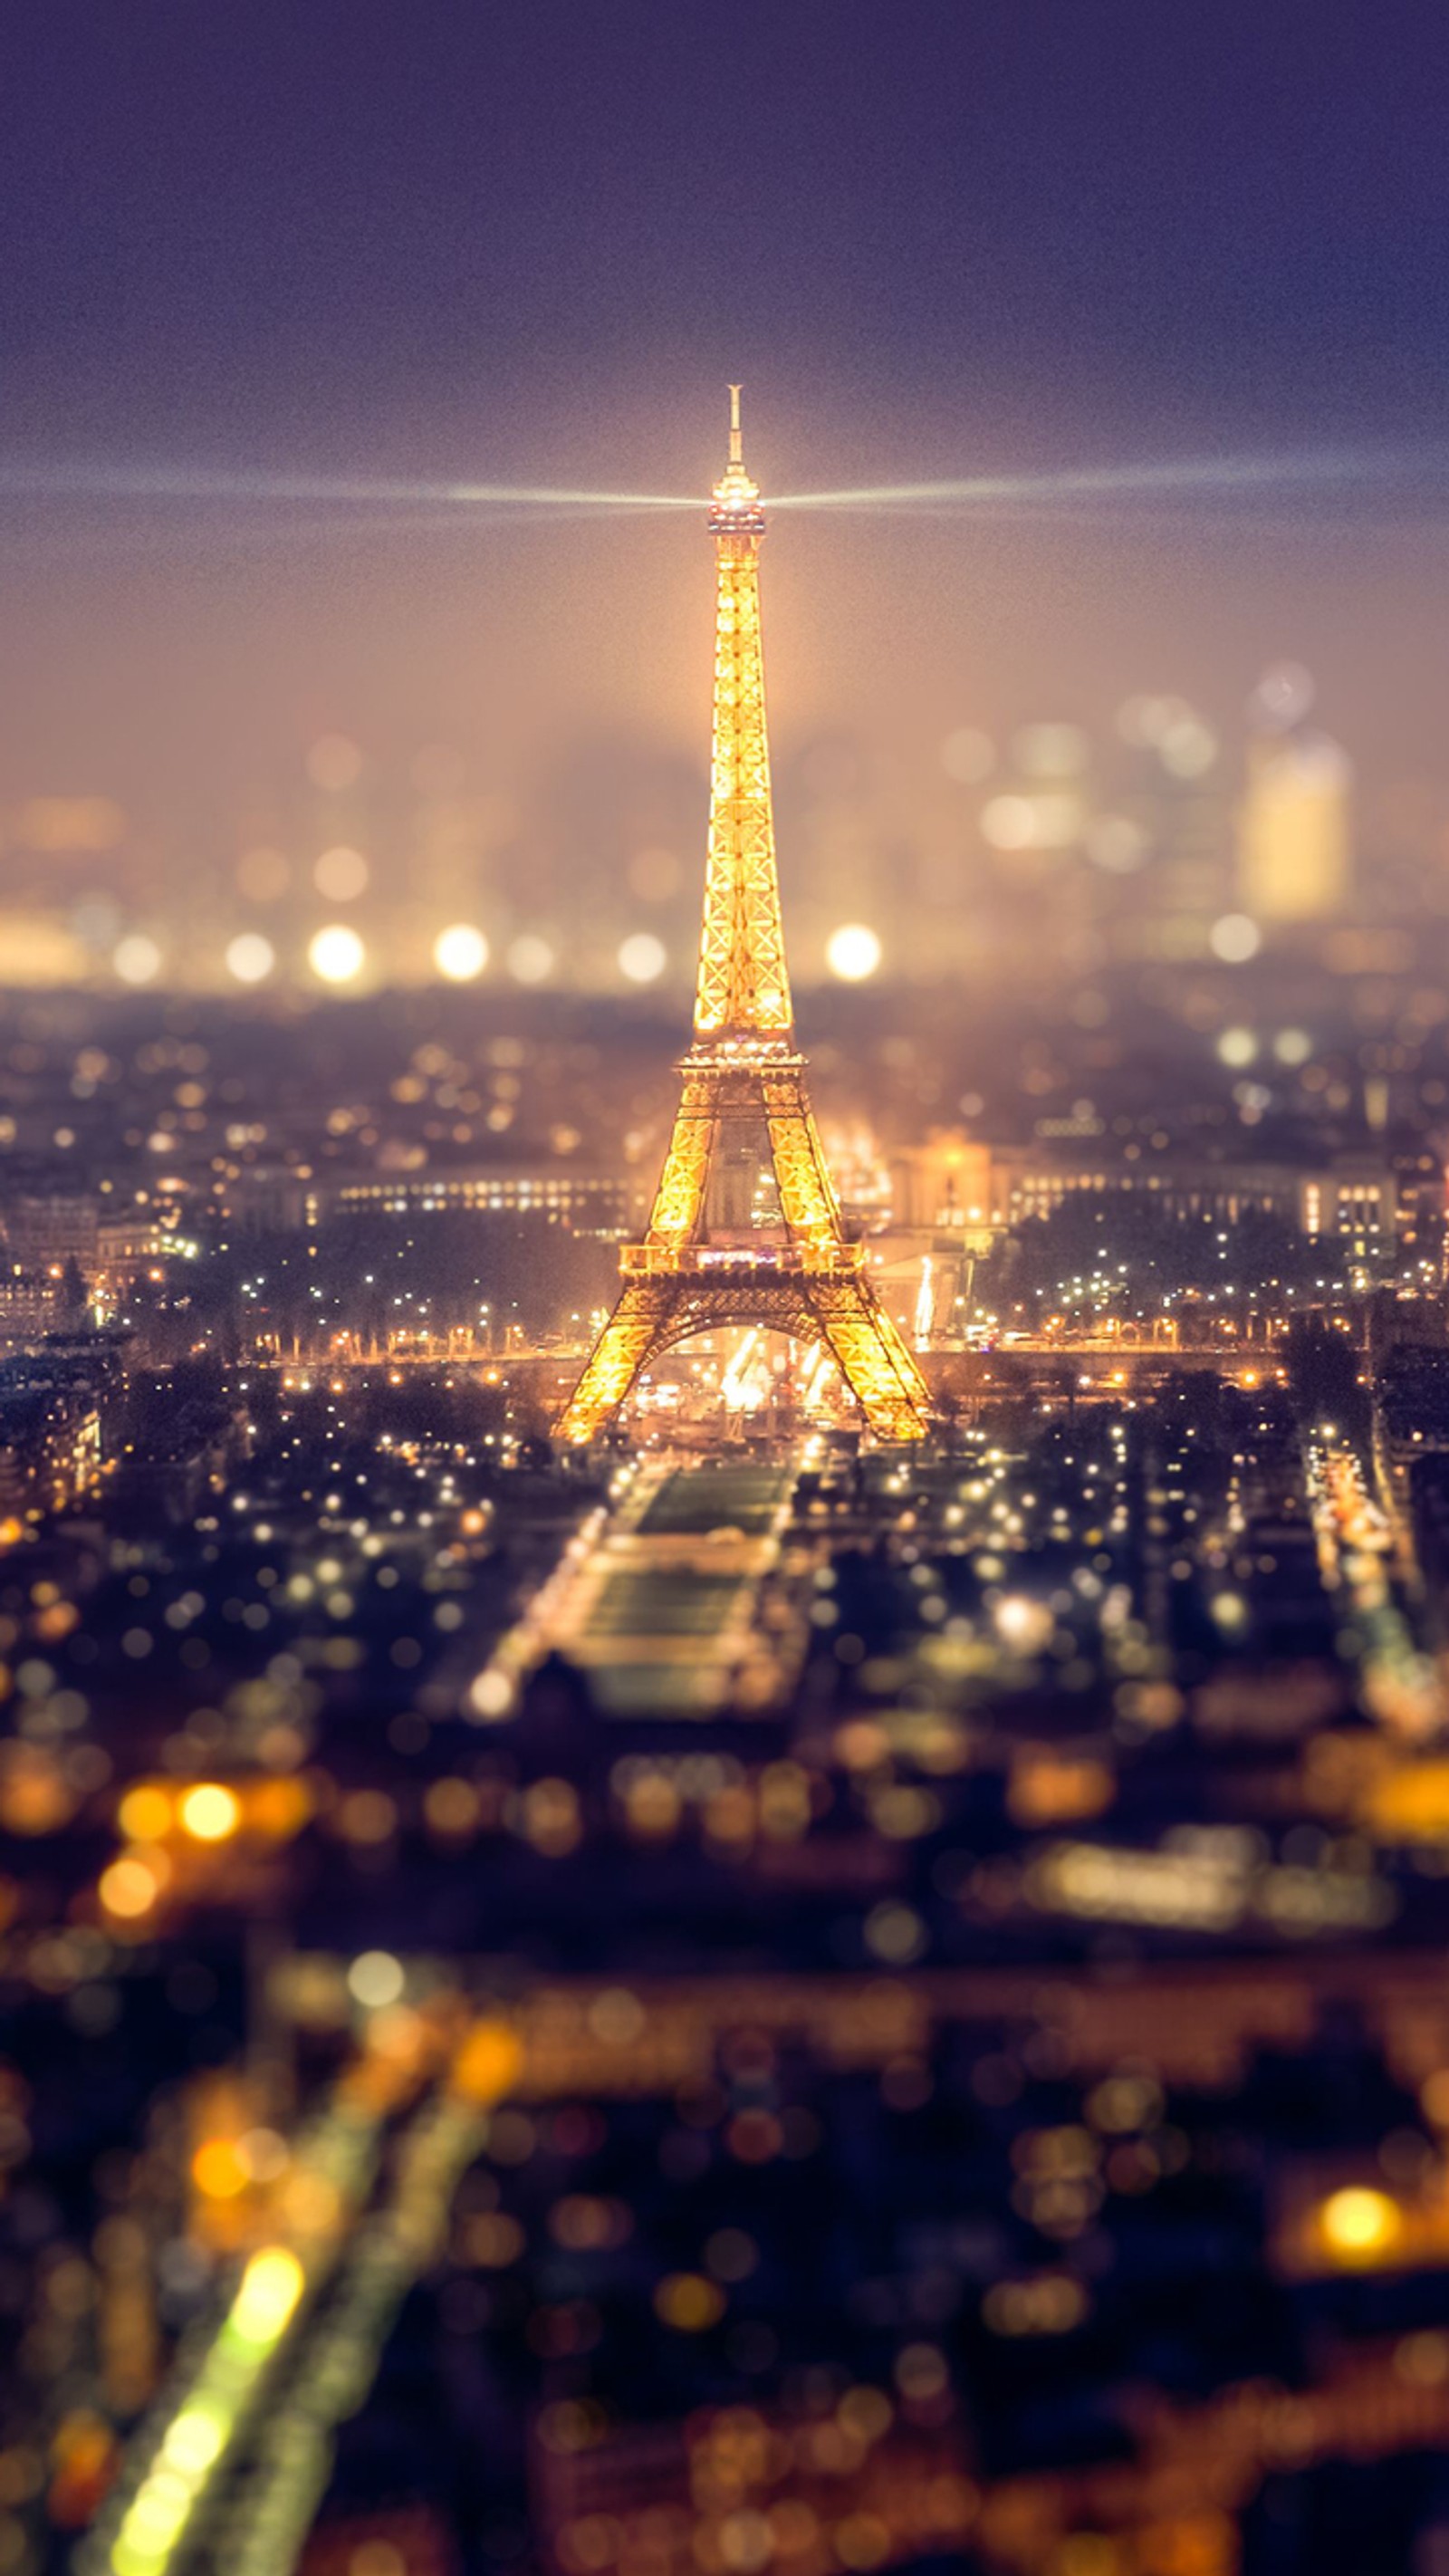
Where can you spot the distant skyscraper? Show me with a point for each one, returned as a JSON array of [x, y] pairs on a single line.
[[1294, 856]]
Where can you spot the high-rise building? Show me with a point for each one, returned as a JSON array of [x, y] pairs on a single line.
[[1294, 853]]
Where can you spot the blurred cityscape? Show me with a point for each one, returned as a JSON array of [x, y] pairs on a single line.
[[732, 1998], [1052, 854]]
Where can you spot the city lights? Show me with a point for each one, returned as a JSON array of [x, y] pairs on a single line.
[[460, 952], [853, 952], [341, 874], [210, 1813], [1235, 938], [1238, 1047], [137, 959], [642, 958], [375, 1979], [1360, 2225], [336, 955], [250, 957], [130, 1887], [753, 1754]]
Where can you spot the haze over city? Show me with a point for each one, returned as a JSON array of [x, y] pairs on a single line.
[[935, 252]]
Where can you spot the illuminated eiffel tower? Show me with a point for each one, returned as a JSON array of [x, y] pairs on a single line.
[[745, 1227]]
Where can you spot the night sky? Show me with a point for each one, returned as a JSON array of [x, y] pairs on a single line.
[[345, 228], [934, 237]]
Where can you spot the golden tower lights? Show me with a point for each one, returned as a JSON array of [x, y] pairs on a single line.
[[745, 1227]]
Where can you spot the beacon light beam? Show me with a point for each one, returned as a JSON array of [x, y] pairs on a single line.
[[1344, 469], [27, 480], [1210, 477]]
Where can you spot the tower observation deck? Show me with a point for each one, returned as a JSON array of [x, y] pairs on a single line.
[[745, 1227]]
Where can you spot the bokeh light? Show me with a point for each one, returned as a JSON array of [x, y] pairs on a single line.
[[341, 874], [642, 958], [1235, 938], [853, 952], [136, 959], [210, 1812], [336, 955], [1360, 2224], [460, 952], [250, 957], [375, 1979], [1237, 1047], [1282, 697]]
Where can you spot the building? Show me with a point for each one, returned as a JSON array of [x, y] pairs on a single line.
[[29, 1309], [951, 1184], [134, 1247], [50, 1443], [1355, 1200], [587, 1202], [1293, 830], [1410, 1420], [46, 1230]]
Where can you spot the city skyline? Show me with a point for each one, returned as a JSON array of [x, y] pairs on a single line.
[[337, 825], [1030, 254], [724, 1447]]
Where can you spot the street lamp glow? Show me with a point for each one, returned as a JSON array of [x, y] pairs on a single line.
[[853, 952], [210, 1812], [460, 952], [376, 1978], [1359, 2223], [336, 954], [250, 957]]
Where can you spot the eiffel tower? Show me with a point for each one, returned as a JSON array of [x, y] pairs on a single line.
[[745, 1227]]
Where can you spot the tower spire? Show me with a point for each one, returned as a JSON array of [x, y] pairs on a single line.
[[744, 983]]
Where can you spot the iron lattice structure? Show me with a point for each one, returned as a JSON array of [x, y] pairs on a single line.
[[745, 1226]]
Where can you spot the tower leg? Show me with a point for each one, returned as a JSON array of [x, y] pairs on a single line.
[[637, 1329], [872, 1358], [807, 1200]]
